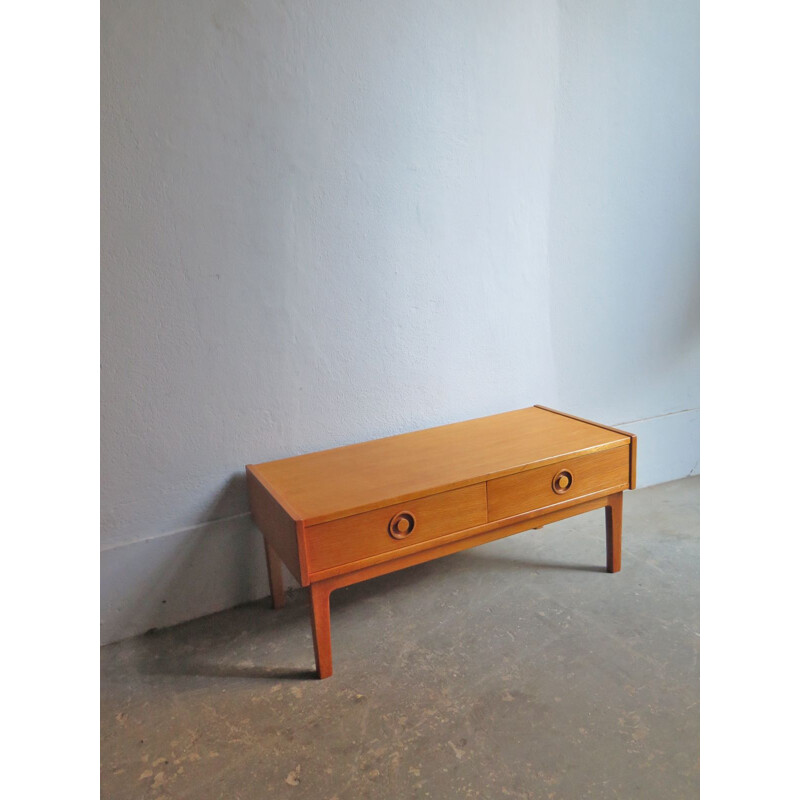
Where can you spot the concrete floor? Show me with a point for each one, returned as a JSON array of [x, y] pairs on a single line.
[[518, 669]]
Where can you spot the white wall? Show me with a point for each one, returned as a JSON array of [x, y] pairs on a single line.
[[331, 221]]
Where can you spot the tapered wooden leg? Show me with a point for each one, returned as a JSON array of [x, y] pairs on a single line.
[[614, 533], [275, 577], [321, 628]]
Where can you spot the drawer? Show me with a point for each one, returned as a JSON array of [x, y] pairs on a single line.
[[373, 533], [558, 483]]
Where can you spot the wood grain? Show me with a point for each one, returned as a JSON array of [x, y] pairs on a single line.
[[328, 485], [278, 528], [457, 545], [345, 515], [607, 470], [631, 436], [521, 522], [363, 535]]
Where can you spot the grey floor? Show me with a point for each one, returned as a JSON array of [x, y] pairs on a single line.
[[518, 669]]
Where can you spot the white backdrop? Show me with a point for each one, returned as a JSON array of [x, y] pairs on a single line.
[[331, 221]]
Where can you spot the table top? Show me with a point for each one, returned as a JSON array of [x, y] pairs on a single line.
[[331, 484]]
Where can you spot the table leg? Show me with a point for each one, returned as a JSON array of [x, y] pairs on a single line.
[[614, 533], [321, 628], [275, 576]]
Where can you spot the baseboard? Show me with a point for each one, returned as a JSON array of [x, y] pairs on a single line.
[[180, 576], [190, 573], [668, 447]]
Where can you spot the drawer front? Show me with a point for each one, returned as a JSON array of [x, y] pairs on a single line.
[[372, 533], [558, 483]]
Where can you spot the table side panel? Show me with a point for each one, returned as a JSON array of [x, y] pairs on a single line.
[[275, 524]]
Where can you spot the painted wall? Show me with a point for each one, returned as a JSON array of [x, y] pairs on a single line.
[[324, 222]]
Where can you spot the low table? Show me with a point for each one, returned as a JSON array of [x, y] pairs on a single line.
[[341, 516]]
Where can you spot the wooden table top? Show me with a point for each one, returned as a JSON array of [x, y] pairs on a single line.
[[330, 484]]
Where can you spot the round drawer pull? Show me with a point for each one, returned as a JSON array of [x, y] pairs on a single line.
[[562, 481], [401, 525]]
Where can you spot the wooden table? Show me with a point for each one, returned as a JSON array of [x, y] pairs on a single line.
[[341, 516]]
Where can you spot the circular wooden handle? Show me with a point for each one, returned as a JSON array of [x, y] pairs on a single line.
[[401, 525], [562, 481]]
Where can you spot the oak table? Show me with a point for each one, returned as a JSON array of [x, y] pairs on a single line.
[[341, 516]]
